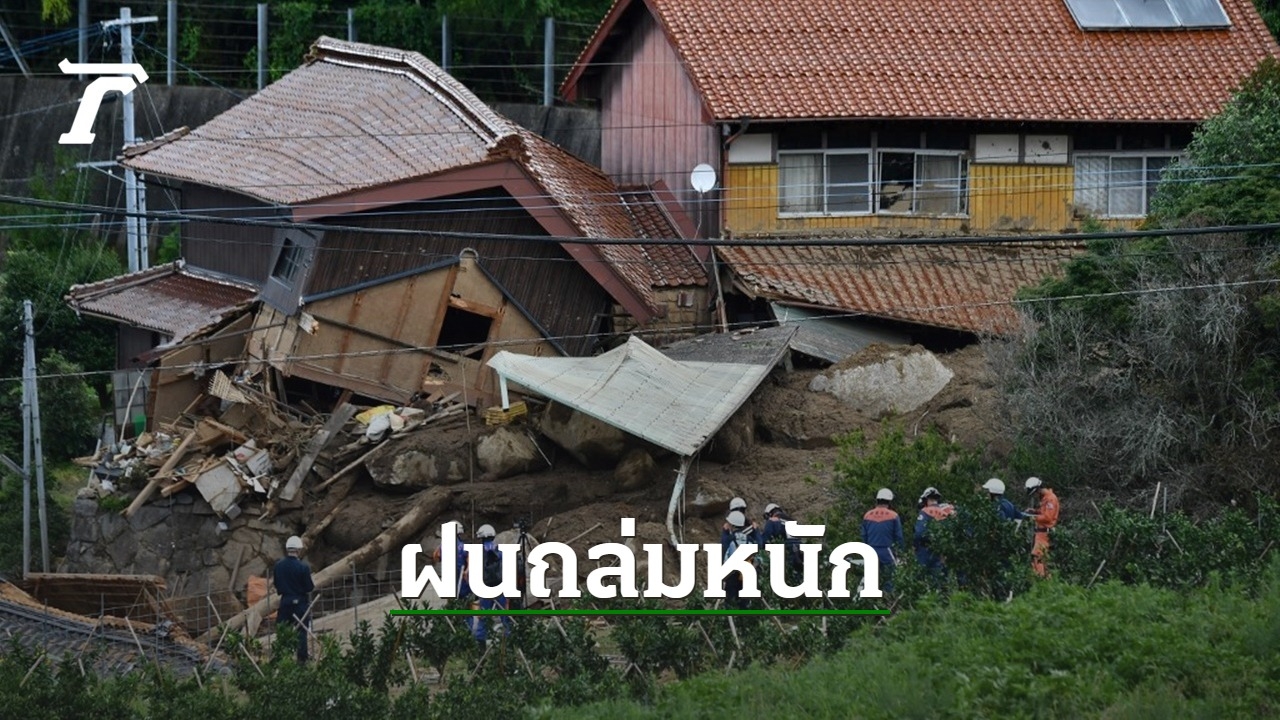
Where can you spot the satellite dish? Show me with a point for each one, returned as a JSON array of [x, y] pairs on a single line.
[[703, 178]]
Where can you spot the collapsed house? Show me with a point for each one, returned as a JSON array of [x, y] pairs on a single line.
[[397, 232]]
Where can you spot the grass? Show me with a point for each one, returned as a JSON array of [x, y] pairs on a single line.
[[1059, 652]]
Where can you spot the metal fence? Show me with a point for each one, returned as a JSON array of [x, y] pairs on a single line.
[[243, 46]]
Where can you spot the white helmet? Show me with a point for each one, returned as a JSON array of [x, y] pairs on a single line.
[[1033, 484], [485, 532], [293, 543], [884, 494], [736, 519], [995, 486], [737, 504], [928, 493], [771, 508], [457, 525]]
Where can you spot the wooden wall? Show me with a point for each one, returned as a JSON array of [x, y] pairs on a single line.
[[1033, 198], [651, 120]]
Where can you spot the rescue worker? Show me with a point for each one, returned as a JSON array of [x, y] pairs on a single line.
[[726, 531], [882, 530], [463, 589], [1045, 513], [775, 530], [1006, 510], [737, 534], [932, 509], [492, 566], [293, 582]]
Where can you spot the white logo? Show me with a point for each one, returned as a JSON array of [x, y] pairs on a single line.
[[122, 82]]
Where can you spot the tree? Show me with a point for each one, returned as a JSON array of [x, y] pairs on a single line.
[[1170, 375]]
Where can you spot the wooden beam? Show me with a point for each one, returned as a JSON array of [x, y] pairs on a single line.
[[338, 419], [163, 473], [428, 506]]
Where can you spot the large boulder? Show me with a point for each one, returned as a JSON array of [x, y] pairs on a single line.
[[595, 444], [635, 471], [507, 452], [420, 466], [735, 439], [711, 499], [882, 380]]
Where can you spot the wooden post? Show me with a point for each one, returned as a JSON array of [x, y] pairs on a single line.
[[164, 472]]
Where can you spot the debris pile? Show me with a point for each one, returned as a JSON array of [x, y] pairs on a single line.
[[240, 448]]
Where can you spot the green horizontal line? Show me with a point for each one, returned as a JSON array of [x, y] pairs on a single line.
[[619, 612]]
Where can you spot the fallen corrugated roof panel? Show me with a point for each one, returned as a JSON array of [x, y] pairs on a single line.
[[831, 338], [959, 59], [635, 388], [968, 287], [755, 346], [170, 299]]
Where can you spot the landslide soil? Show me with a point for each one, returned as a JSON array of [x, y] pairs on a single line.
[[789, 463]]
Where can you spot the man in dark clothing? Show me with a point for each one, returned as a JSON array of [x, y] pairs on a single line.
[[882, 530], [293, 582], [775, 530], [737, 533]]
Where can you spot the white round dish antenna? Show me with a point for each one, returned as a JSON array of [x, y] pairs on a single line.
[[703, 178]]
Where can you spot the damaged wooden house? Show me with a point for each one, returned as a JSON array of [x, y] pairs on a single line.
[[891, 121], [397, 232]]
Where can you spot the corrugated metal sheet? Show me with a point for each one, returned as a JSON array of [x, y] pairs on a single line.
[[637, 389], [976, 59], [763, 346], [968, 287], [169, 299], [831, 339]]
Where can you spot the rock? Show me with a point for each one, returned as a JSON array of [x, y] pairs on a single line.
[[148, 516], [636, 470], [507, 452], [420, 466], [122, 550], [597, 445], [881, 381], [735, 439], [710, 500]]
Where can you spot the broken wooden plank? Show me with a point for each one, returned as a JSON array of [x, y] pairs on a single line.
[[339, 418], [352, 465], [163, 473]]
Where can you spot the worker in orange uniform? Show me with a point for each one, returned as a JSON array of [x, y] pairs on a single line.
[[1045, 514]]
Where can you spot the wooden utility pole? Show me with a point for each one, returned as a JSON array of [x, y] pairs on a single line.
[[32, 446]]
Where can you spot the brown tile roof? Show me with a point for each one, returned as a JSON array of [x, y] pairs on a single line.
[[669, 265], [958, 286], [170, 299], [326, 129], [957, 59], [360, 116]]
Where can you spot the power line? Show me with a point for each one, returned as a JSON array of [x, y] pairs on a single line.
[[904, 314]]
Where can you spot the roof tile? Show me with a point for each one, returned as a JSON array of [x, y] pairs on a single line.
[[965, 287], [169, 299], [958, 59]]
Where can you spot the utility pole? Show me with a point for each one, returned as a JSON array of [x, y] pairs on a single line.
[[135, 193], [32, 446]]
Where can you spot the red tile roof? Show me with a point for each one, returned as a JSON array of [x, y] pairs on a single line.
[[954, 59], [360, 116], [958, 286], [169, 299]]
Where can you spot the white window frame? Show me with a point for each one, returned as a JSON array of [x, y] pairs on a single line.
[[1111, 157], [873, 183], [826, 182], [961, 181]]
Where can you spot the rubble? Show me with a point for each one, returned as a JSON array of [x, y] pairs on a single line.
[[256, 453]]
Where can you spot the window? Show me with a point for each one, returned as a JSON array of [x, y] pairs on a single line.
[[1118, 185], [818, 183], [287, 264], [840, 182]]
